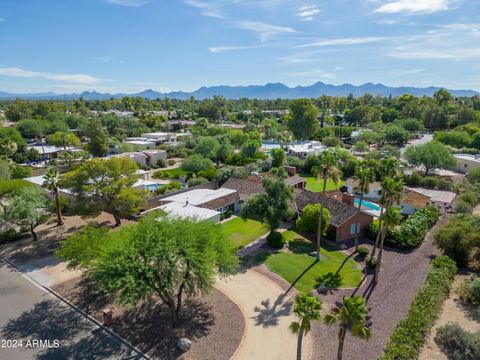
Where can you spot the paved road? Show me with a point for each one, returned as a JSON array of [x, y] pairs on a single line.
[[267, 313], [29, 313]]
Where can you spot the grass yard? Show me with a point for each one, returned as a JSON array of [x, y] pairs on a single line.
[[169, 174], [242, 233], [316, 185], [334, 270]]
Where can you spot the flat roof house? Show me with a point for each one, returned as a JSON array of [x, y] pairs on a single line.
[[303, 149], [467, 162]]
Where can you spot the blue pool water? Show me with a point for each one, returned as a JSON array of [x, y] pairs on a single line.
[[368, 204], [153, 187]]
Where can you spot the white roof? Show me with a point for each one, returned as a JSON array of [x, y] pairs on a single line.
[[49, 149], [307, 147], [139, 142], [475, 158], [174, 209], [38, 180], [199, 196]]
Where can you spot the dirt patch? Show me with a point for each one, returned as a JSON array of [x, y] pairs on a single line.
[[453, 311], [215, 324]]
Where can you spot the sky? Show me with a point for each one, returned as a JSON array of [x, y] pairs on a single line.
[[127, 46]]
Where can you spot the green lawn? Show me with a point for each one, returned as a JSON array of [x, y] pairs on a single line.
[[300, 269], [242, 233], [316, 185], [169, 174]]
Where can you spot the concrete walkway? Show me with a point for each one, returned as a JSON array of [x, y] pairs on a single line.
[[267, 312]]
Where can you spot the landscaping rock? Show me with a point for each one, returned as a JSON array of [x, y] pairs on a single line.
[[184, 344], [312, 253], [343, 247]]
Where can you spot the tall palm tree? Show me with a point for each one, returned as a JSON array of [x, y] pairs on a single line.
[[307, 309], [364, 176], [388, 167], [52, 183], [352, 317], [392, 189], [328, 171]]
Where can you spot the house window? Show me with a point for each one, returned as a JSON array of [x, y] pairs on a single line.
[[352, 228]]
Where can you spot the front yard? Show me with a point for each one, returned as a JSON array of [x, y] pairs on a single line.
[[335, 269], [241, 232]]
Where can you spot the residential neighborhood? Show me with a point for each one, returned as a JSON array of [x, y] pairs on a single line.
[[141, 219]]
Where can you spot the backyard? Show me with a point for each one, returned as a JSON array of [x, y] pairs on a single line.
[[335, 269], [316, 185], [242, 232], [170, 173]]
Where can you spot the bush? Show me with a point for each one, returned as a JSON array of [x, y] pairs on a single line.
[[228, 214], [275, 240], [371, 263], [413, 230], [63, 200], [469, 291], [161, 163], [410, 333], [457, 343], [171, 162], [463, 207], [362, 252], [9, 235]]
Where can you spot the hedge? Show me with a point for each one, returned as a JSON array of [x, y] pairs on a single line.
[[410, 333], [412, 231]]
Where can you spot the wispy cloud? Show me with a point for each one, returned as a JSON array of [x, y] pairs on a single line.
[[104, 59], [133, 3], [209, 9], [219, 49], [413, 6], [264, 30], [313, 74], [343, 41], [71, 78], [307, 13]]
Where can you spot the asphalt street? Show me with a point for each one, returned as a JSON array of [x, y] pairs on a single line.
[[36, 325]]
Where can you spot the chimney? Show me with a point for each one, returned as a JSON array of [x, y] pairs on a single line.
[[348, 199], [291, 170]]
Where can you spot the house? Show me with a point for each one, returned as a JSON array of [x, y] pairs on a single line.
[[145, 158], [373, 194], [412, 201], [303, 149], [440, 198], [195, 203], [49, 152], [466, 162], [342, 213], [164, 137], [141, 143], [252, 185]]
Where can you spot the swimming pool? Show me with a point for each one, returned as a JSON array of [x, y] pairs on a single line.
[[153, 187], [368, 204]]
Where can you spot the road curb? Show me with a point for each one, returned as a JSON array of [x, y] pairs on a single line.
[[83, 313]]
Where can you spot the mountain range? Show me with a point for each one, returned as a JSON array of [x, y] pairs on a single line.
[[267, 91]]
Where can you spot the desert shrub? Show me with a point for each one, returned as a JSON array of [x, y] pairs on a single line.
[[410, 333], [9, 235], [62, 199], [362, 252], [171, 162], [457, 343], [275, 240], [469, 291], [161, 163], [197, 181], [463, 207]]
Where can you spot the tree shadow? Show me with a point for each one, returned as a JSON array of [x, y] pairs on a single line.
[[329, 280], [300, 276], [369, 290], [268, 314], [78, 338]]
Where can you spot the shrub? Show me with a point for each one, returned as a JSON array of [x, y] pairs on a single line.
[[457, 343], [410, 333], [171, 162], [62, 199], [469, 291], [275, 240], [197, 181], [161, 163], [463, 207], [9, 235], [362, 252], [228, 214], [371, 263]]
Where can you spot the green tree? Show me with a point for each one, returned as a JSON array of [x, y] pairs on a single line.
[[51, 181], [392, 189], [223, 151], [273, 206], [157, 259], [208, 147], [307, 309], [105, 185], [364, 176], [196, 163], [98, 143], [278, 157], [302, 118], [28, 208], [308, 220], [430, 156], [352, 318], [64, 139], [328, 169]]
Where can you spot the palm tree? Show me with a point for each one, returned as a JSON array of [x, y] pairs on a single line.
[[8, 147], [387, 167], [52, 183], [352, 317], [364, 177], [328, 170], [392, 189], [307, 309]]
